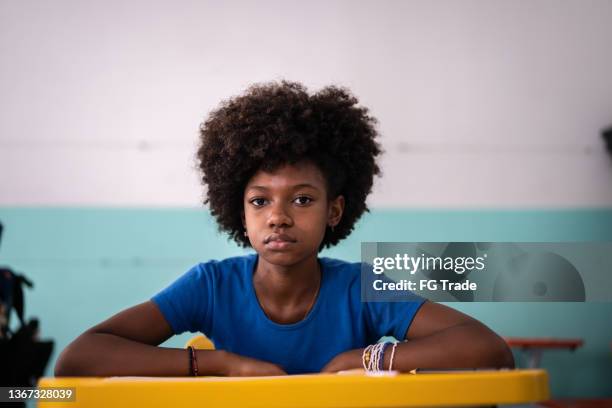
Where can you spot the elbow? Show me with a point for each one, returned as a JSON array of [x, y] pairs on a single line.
[[69, 363], [65, 365], [508, 358], [61, 365], [490, 350], [497, 354], [502, 355]]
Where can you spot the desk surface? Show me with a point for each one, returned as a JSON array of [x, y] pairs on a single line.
[[315, 390]]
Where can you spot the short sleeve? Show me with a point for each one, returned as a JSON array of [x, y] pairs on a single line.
[[187, 302], [392, 318], [392, 313]]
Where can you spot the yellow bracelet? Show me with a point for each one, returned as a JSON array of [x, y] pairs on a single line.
[[366, 357]]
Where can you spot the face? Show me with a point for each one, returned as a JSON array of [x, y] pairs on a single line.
[[287, 211]]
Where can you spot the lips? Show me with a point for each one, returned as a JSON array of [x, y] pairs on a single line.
[[279, 241], [279, 238]]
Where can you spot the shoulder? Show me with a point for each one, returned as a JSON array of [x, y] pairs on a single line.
[[235, 262], [341, 271], [340, 265], [224, 268]]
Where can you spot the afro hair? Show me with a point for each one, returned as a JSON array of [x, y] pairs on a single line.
[[278, 123]]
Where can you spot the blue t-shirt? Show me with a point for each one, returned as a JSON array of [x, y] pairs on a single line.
[[218, 299]]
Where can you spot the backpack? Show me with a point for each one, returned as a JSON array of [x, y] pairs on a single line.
[[24, 357]]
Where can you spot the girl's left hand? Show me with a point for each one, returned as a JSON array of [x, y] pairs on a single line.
[[344, 361]]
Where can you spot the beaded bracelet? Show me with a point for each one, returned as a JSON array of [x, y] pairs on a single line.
[[190, 360], [365, 357], [193, 362], [373, 357], [392, 355], [381, 361]]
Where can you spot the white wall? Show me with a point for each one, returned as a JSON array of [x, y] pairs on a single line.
[[481, 103]]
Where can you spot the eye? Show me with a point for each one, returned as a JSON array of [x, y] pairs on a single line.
[[302, 200], [258, 202]]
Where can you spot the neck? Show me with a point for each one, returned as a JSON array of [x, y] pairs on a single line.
[[287, 285]]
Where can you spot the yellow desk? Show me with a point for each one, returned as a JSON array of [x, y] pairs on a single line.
[[314, 390]]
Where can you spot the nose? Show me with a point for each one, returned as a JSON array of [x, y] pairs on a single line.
[[278, 216]]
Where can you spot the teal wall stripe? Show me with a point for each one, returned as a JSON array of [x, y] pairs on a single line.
[[89, 263]]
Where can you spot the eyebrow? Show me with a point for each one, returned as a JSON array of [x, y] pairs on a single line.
[[295, 187]]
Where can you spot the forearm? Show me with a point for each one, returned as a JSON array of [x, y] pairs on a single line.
[[463, 346], [103, 355]]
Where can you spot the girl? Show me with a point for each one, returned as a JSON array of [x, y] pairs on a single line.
[[288, 174]]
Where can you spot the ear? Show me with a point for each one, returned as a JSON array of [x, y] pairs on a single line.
[[243, 219], [336, 209]]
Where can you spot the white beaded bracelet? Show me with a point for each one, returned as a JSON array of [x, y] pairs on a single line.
[[392, 355], [373, 356]]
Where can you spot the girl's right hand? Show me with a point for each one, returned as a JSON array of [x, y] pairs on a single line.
[[241, 366]]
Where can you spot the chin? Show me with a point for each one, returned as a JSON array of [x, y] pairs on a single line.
[[281, 258]]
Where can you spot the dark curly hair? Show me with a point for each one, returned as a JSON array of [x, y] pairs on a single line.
[[273, 124]]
